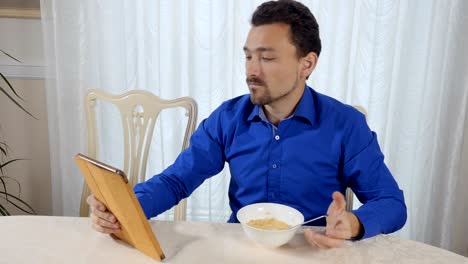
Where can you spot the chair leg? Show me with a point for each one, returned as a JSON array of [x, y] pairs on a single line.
[[180, 211], [84, 207]]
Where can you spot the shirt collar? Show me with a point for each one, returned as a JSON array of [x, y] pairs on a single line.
[[305, 108], [255, 113]]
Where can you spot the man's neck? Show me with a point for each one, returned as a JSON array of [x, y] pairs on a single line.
[[285, 107]]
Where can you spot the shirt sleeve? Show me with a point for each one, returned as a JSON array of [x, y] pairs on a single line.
[[201, 160], [383, 209]]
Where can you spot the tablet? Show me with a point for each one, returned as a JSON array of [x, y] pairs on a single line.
[[110, 186]]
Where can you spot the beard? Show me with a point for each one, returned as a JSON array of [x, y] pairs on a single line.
[[257, 97], [262, 95]]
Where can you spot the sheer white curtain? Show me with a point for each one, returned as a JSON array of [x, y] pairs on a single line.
[[404, 61]]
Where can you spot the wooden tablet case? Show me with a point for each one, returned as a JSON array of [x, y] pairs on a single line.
[[110, 186]]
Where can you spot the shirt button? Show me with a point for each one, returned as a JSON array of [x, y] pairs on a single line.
[[275, 165], [277, 137]]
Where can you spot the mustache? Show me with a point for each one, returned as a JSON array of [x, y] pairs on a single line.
[[255, 80]]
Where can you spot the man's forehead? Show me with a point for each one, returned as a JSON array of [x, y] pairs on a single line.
[[269, 38]]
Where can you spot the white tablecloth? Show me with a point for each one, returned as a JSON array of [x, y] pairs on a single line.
[[45, 239]]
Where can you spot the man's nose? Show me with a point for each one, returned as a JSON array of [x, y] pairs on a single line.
[[253, 67]]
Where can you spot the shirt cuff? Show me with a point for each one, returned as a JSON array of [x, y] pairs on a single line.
[[369, 221], [145, 200]]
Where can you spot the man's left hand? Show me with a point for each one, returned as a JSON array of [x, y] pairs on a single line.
[[341, 225]]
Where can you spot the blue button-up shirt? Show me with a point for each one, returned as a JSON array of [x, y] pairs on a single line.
[[325, 146]]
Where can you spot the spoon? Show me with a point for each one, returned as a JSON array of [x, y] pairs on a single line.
[[308, 221]]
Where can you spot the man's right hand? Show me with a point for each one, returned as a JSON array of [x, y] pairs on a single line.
[[103, 220]]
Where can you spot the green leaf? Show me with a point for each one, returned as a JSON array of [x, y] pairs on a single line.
[[8, 162], [3, 211], [4, 187], [22, 204], [16, 201], [15, 181], [4, 145], [14, 101], [9, 85], [10, 56], [3, 148], [9, 198]]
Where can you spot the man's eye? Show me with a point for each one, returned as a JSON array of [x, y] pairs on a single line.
[[248, 57], [267, 59]]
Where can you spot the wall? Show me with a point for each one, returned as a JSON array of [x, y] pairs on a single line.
[[26, 137]]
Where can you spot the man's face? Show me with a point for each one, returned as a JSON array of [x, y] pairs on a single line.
[[272, 66]]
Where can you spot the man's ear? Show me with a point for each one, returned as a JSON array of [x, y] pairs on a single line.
[[308, 64]]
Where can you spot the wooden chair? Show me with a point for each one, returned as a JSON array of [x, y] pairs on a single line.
[[349, 193], [139, 111]]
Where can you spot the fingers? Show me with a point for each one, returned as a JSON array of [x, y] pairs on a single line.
[[104, 226], [105, 216], [341, 231], [339, 226], [340, 200], [105, 230], [102, 220], [338, 204], [336, 209], [105, 219], [308, 234], [95, 203], [316, 239]]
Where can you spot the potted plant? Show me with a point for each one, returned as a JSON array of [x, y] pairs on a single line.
[[7, 197]]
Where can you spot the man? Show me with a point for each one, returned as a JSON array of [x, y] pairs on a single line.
[[284, 142]]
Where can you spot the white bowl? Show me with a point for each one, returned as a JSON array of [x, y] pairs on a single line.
[[269, 238]]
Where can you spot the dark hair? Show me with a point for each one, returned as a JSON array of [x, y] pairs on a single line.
[[304, 29]]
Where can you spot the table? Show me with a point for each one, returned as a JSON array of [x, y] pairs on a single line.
[[49, 239]]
